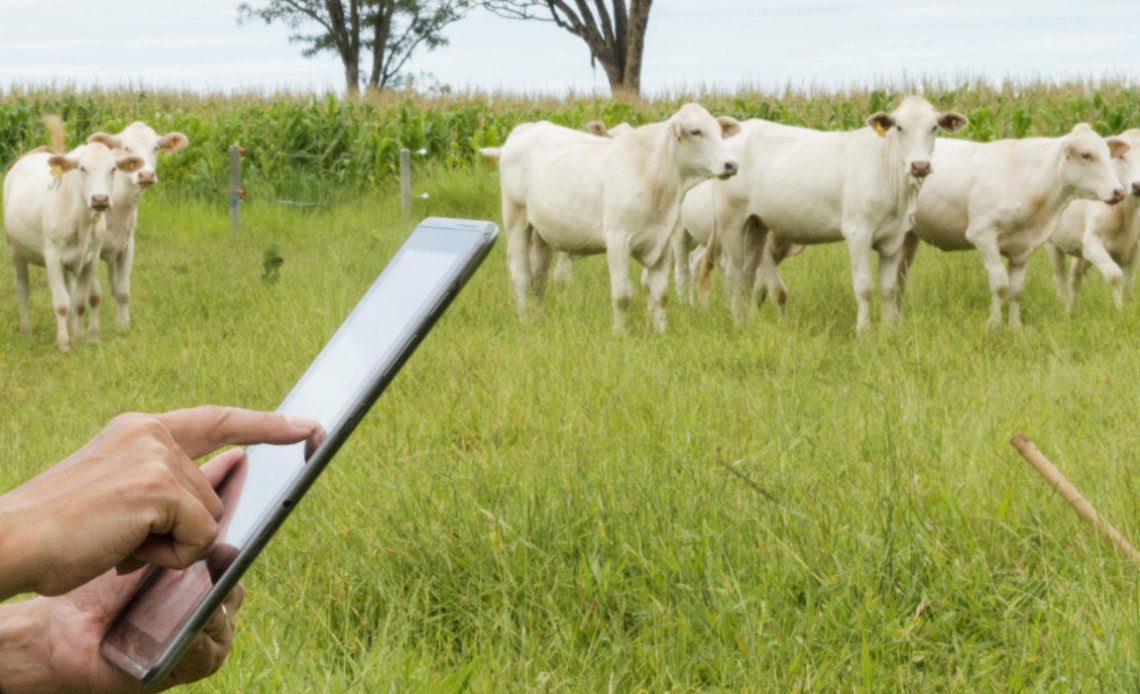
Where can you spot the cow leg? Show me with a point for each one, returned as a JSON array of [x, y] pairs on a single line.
[[681, 244], [657, 283], [768, 281], [83, 282], [540, 256], [1017, 270], [995, 269], [1080, 267], [1099, 256], [94, 299], [910, 246], [77, 302], [734, 245], [563, 268], [890, 266], [21, 283], [1060, 272], [518, 233], [862, 280], [60, 299], [121, 284], [621, 290]]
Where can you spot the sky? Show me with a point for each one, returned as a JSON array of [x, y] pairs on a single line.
[[726, 44]]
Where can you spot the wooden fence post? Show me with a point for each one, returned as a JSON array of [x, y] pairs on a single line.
[[235, 186], [405, 184]]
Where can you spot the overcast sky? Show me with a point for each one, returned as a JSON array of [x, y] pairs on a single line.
[[724, 43]]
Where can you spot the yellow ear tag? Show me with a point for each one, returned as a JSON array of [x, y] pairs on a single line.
[[880, 129], [57, 175]]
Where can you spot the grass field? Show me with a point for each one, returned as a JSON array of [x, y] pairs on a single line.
[[543, 507]]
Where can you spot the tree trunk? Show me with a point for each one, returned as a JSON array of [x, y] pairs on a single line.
[[635, 45], [352, 78]]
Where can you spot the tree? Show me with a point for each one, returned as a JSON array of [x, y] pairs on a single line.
[[391, 30], [615, 37]]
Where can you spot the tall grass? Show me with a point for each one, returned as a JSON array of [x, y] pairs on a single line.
[[322, 147], [545, 507]]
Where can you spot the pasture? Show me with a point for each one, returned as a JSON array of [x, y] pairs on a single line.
[[546, 507]]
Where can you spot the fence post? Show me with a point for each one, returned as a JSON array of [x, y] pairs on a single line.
[[405, 184], [235, 186]]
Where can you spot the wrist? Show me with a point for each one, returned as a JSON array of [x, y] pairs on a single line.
[[25, 649], [13, 557]]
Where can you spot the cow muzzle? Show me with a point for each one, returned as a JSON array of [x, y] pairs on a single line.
[[100, 202], [147, 179], [920, 169], [730, 169], [1117, 196]]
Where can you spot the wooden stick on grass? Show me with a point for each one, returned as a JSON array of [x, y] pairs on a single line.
[[1069, 493]]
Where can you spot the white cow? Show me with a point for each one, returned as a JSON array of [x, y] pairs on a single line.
[[118, 252], [564, 262], [54, 216], [1004, 198], [809, 187], [567, 190], [1102, 235], [690, 244]]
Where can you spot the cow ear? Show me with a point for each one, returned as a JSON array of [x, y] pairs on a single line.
[[129, 164], [172, 142], [64, 164], [678, 130], [111, 141], [597, 128], [1081, 128], [1117, 147], [881, 122], [728, 126], [952, 122]]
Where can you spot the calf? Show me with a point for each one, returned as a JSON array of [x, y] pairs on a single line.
[[809, 187], [1099, 234], [137, 139], [55, 216], [1003, 198], [567, 190]]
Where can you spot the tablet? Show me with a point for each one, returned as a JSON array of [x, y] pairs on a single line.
[[159, 622]]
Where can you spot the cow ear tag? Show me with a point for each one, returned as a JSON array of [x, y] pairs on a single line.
[[56, 175], [880, 129]]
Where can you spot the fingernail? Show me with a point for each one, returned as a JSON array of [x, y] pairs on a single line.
[[301, 423]]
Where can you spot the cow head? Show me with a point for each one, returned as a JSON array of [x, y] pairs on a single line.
[[1127, 164], [139, 139], [94, 165], [1087, 168], [912, 129], [700, 142]]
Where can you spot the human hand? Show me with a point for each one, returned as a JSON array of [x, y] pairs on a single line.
[[132, 495], [52, 644]]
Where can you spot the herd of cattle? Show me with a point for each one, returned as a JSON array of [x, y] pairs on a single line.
[[694, 192], [700, 192], [66, 211]]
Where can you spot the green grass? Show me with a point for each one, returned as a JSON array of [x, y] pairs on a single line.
[[543, 506]]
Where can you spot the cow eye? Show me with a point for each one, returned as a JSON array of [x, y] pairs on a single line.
[[934, 129], [899, 127], [695, 132], [1087, 156], [83, 169]]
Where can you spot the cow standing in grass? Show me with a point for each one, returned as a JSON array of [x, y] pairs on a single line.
[[137, 139], [567, 190], [1004, 198], [1096, 233], [809, 186], [55, 209]]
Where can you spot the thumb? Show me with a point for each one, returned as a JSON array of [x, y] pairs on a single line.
[[217, 468]]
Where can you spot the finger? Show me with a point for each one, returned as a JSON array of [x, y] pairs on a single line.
[[235, 599], [202, 659], [218, 625], [218, 468], [199, 430], [129, 566], [192, 477], [185, 540]]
